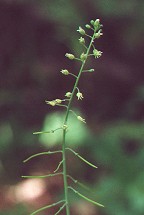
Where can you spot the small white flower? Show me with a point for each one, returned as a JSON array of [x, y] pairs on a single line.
[[79, 96], [82, 40], [97, 53], [58, 101], [81, 119], [52, 103], [98, 34]]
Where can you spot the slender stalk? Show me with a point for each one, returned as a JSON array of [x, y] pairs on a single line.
[[64, 130], [65, 174], [57, 102], [76, 82]]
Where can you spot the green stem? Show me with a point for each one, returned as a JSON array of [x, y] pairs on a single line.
[[64, 130], [65, 174]]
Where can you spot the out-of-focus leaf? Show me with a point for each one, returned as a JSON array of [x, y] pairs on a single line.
[[6, 136], [17, 210], [76, 135]]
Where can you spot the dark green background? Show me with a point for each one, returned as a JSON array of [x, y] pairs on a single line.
[[34, 37]]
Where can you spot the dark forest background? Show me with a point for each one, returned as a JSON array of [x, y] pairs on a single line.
[[34, 37]]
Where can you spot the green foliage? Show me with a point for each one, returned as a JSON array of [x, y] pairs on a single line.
[[76, 135], [19, 209], [116, 8], [120, 151], [6, 135]]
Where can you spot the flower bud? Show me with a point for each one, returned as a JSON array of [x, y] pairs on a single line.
[[70, 56], [65, 71], [96, 23], [83, 56], [87, 26], [68, 94], [82, 40], [91, 70], [92, 22], [81, 31]]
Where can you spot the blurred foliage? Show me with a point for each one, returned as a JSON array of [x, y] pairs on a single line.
[[76, 135], [34, 37], [19, 209]]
